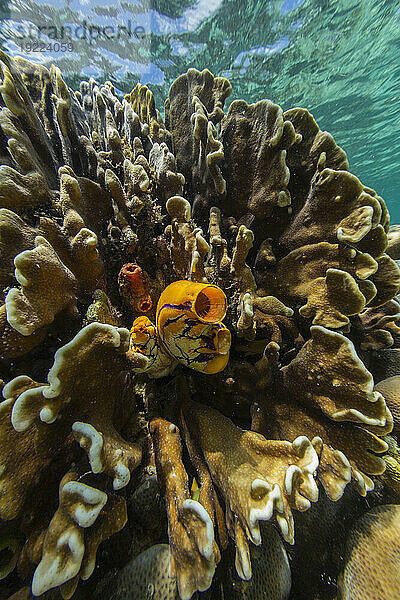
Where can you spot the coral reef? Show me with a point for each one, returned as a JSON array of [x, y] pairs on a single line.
[[193, 313]]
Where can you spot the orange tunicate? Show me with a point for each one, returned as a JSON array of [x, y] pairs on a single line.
[[134, 287]]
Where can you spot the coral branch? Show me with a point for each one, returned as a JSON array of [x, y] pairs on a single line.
[[258, 478], [191, 532]]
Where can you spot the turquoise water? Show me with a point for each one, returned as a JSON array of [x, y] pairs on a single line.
[[339, 59]]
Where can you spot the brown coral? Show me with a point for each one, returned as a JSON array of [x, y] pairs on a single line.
[[36, 304], [49, 414], [393, 248], [193, 108], [379, 326], [256, 138], [259, 479], [63, 545], [191, 532]]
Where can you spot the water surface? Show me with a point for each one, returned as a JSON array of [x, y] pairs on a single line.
[[339, 59]]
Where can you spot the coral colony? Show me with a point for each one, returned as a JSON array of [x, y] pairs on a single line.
[[198, 299]]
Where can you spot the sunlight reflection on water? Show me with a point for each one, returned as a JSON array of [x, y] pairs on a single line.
[[340, 59]]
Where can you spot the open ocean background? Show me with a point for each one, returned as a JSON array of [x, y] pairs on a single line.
[[339, 59]]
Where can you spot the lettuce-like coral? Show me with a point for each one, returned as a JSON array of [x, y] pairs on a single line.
[[193, 299]]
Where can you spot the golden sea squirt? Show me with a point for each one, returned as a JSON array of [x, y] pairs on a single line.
[[155, 361], [189, 325], [188, 330]]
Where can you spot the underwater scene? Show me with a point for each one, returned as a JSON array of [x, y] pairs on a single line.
[[200, 310]]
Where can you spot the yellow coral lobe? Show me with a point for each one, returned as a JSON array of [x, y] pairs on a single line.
[[189, 325]]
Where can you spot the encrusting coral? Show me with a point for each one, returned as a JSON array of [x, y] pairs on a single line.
[[192, 299]]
